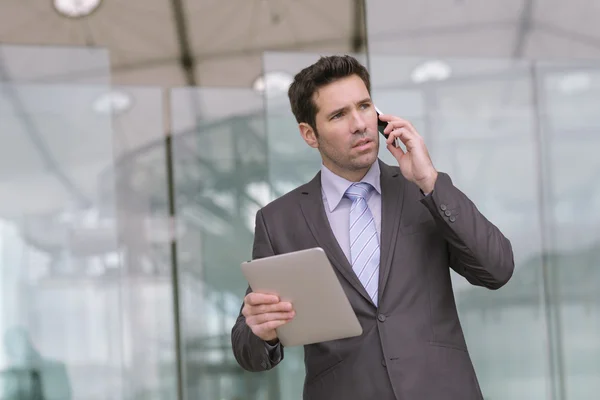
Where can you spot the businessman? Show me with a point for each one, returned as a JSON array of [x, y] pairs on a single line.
[[392, 233]]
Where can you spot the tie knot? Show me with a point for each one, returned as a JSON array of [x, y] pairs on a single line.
[[359, 190]]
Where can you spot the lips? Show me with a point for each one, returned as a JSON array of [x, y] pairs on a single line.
[[362, 142]]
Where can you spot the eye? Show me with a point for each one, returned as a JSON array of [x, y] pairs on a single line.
[[338, 115], [364, 106]]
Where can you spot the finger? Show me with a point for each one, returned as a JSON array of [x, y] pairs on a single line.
[[271, 325], [264, 318], [397, 152], [387, 117], [268, 308], [260, 330], [399, 123], [256, 299], [411, 140], [249, 310], [399, 133]]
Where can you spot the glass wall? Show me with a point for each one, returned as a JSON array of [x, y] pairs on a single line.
[[126, 212], [85, 233], [220, 180], [60, 328], [480, 127], [139, 177], [569, 127], [517, 137]]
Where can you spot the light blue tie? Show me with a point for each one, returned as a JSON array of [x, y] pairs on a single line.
[[364, 241]]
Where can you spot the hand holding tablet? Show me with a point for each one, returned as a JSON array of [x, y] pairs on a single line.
[[265, 313], [299, 296]]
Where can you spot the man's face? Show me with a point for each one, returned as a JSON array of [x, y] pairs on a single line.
[[346, 127]]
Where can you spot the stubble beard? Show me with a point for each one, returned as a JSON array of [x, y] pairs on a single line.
[[346, 162]]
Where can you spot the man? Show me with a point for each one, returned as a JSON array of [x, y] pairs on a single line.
[[391, 233]]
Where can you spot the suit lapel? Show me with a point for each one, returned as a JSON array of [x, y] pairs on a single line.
[[311, 204], [392, 200]]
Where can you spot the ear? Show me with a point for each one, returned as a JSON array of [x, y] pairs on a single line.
[[308, 134]]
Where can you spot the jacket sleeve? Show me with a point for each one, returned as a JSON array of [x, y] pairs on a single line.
[[250, 351], [477, 249]]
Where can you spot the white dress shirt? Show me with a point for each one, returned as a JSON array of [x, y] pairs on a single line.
[[337, 207]]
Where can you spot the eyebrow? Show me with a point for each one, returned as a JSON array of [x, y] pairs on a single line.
[[331, 114]]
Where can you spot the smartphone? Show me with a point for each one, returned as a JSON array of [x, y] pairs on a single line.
[[381, 127]]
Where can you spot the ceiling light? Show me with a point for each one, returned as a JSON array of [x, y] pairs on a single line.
[[576, 82], [113, 103], [431, 71], [273, 83], [76, 8]]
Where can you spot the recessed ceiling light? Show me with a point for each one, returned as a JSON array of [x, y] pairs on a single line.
[[273, 83], [76, 8], [113, 103], [431, 71], [575, 82]]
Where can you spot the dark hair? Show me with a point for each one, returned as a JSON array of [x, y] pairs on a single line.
[[310, 79]]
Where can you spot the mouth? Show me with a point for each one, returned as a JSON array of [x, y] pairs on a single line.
[[362, 144]]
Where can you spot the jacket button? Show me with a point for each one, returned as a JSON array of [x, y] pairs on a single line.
[[263, 364], [452, 218], [381, 317], [443, 207], [383, 362], [447, 213]]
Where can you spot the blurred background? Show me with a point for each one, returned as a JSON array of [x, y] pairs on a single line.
[[140, 137]]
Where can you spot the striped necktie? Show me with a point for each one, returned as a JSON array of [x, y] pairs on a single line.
[[364, 241]]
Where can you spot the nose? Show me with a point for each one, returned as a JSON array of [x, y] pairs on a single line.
[[359, 125]]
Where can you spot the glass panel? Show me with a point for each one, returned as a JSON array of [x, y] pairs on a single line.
[[54, 64], [86, 292], [219, 162], [479, 120], [60, 298], [539, 186], [145, 234], [568, 95]]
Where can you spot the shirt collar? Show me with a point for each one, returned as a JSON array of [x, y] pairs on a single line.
[[334, 186]]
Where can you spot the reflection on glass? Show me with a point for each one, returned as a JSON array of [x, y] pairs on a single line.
[[85, 286], [60, 314], [30, 376], [479, 123], [86, 302], [567, 93], [145, 234], [220, 172], [518, 137]]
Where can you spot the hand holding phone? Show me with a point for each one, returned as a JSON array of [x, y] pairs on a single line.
[[381, 127]]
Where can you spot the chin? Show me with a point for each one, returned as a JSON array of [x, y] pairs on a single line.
[[372, 156], [366, 160]]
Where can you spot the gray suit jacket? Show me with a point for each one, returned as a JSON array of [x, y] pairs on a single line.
[[412, 346]]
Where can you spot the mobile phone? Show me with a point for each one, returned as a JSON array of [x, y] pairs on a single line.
[[381, 127]]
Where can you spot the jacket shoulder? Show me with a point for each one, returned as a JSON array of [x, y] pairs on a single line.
[[283, 203]]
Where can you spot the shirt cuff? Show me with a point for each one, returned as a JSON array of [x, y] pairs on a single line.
[[273, 351]]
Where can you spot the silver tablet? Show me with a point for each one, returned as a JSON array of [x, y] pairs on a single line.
[[306, 279]]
